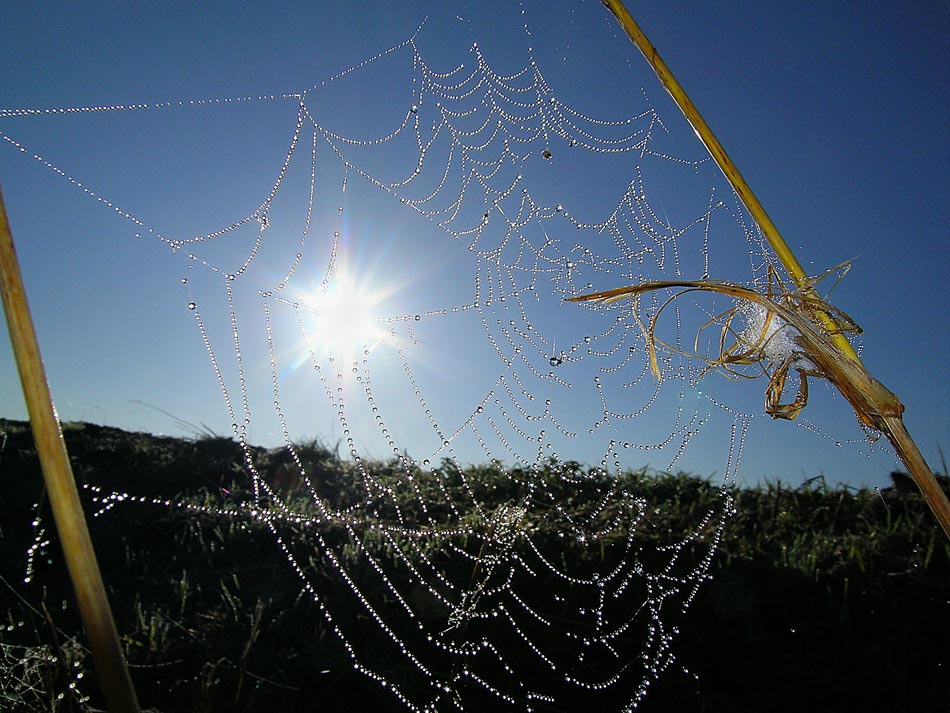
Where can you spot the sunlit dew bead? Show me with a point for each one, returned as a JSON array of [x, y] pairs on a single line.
[[192, 306]]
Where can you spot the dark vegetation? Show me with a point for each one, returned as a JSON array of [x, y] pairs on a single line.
[[822, 599]]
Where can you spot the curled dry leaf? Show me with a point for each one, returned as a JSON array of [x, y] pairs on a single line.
[[783, 332]]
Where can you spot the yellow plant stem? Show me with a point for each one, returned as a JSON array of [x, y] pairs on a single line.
[[876, 406], [722, 159], [893, 427], [80, 558], [850, 379]]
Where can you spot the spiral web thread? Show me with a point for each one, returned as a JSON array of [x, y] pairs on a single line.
[[472, 165]]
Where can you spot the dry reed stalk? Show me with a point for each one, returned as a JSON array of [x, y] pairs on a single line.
[[823, 339], [111, 669]]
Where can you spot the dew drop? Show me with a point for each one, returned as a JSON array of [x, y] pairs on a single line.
[[546, 154], [555, 361], [192, 305]]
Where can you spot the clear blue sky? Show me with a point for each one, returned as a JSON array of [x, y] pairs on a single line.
[[835, 113]]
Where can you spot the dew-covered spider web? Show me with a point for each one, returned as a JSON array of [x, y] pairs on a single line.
[[382, 259]]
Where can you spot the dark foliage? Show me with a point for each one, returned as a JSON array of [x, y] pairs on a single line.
[[821, 599]]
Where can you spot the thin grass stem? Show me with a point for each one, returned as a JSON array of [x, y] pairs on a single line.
[[61, 485]]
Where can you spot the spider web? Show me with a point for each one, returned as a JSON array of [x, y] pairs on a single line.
[[466, 202]]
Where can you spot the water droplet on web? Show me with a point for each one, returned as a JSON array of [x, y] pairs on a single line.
[[555, 361], [417, 317], [558, 207], [414, 109], [546, 154], [192, 305]]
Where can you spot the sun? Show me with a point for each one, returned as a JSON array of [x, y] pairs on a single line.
[[345, 326]]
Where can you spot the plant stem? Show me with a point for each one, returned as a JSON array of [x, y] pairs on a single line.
[[885, 420], [61, 485], [893, 427], [722, 159]]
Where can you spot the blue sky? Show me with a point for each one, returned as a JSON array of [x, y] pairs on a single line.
[[833, 113]]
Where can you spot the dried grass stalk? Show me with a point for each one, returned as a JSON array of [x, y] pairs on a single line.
[[815, 354]]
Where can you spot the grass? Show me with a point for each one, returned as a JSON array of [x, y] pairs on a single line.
[[821, 598]]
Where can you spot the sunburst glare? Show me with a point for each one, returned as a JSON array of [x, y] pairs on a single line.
[[345, 323]]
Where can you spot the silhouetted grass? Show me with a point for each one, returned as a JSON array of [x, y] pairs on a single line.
[[822, 599]]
